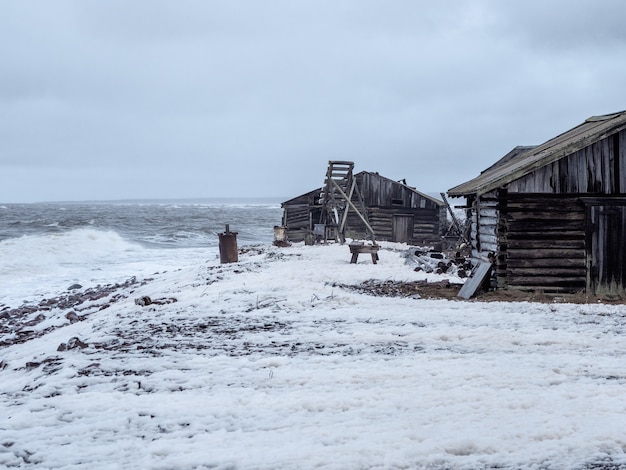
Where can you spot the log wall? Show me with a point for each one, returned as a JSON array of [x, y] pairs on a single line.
[[297, 219], [484, 227], [561, 227], [426, 224], [542, 243], [383, 198]]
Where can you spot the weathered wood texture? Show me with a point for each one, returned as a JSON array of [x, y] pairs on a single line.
[[595, 169], [542, 243], [395, 211], [484, 227], [477, 278], [425, 228], [606, 250], [554, 216], [382, 192], [357, 248]]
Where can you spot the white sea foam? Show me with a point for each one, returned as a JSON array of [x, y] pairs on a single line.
[[33, 266], [269, 363], [41, 251]]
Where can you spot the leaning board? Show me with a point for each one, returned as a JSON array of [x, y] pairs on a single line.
[[476, 279]]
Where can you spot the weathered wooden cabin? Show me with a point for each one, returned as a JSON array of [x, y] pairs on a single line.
[[552, 217], [395, 211]]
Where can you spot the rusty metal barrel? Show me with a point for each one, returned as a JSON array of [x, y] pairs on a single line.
[[280, 233], [228, 246]]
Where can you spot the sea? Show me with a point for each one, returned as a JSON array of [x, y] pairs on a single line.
[[45, 248]]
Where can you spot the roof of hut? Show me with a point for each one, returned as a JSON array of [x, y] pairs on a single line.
[[437, 201], [523, 160], [402, 183]]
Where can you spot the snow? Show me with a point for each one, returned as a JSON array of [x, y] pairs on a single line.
[[271, 363]]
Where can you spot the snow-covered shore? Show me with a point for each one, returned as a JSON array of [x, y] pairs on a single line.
[[269, 363]]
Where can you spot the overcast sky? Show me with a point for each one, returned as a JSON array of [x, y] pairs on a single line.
[[189, 99]]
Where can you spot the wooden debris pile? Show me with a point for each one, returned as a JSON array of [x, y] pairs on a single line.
[[437, 262]]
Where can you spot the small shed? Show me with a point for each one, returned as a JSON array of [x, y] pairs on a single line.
[[552, 217], [395, 211]]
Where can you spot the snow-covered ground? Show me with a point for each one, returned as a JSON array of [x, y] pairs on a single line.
[[269, 363]]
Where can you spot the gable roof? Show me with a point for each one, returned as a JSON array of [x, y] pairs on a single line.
[[518, 163], [433, 199], [517, 151]]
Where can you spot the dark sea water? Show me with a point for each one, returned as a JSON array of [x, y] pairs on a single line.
[[47, 246], [163, 224]]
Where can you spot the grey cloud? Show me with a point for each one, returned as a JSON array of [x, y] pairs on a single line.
[[564, 26], [429, 91]]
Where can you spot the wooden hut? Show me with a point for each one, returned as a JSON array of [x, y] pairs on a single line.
[[395, 211], [552, 217]]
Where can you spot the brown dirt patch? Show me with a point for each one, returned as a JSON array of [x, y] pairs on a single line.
[[450, 291]]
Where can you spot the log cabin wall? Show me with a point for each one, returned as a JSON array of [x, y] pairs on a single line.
[[384, 199], [484, 226], [542, 243], [425, 227], [544, 239], [297, 219], [300, 213], [558, 211]]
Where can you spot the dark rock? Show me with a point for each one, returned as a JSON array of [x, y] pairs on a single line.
[[75, 342], [143, 301], [72, 317], [38, 319]]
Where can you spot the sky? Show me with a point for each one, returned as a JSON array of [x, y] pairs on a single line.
[[193, 99]]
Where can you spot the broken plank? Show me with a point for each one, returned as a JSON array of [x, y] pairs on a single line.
[[476, 279]]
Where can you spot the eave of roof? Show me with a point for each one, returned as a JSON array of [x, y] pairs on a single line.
[[591, 130]]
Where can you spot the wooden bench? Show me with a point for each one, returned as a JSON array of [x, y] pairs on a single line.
[[356, 248]]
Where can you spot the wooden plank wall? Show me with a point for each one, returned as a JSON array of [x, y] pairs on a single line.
[[297, 219], [426, 225], [606, 231], [542, 243], [593, 169], [383, 198], [380, 192]]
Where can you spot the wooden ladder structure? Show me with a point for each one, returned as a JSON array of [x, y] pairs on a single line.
[[456, 224], [339, 188]]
